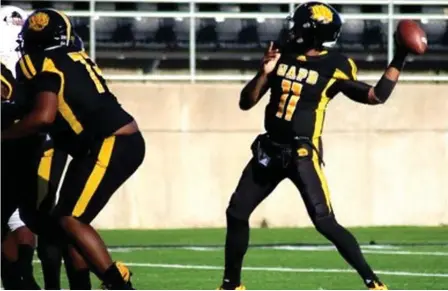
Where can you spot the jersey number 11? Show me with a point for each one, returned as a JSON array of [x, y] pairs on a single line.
[[287, 106]]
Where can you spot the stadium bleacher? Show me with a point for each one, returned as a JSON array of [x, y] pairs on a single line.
[[227, 40]]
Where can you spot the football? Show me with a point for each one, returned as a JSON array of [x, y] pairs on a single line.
[[412, 36]]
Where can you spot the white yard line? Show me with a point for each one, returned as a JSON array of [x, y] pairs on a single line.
[[382, 250], [412, 253], [281, 269], [285, 270]]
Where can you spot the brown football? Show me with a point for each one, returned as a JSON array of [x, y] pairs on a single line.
[[412, 36]]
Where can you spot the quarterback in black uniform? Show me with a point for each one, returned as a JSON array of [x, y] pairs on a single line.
[[303, 77], [73, 103]]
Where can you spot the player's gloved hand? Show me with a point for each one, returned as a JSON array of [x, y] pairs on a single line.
[[270, 59], [400, 55], [399, 47]]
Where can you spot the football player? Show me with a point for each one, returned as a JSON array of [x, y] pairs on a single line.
[[51, 251], [85, 121], [18, 159], [303, 77], [18, 246]]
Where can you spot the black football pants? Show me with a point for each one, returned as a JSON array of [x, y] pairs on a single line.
[[304, 169], [19, 161]]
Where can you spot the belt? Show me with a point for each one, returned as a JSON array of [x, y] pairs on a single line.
[[294, 144]]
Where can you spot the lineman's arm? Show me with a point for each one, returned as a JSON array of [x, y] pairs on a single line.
[[43, 113]]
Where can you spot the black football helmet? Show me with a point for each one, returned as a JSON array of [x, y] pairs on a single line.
[[313, 25], [45, 29]]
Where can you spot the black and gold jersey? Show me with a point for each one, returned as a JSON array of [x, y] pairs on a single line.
[[87, 110], [301, 87], [8, 83], [13, 107]]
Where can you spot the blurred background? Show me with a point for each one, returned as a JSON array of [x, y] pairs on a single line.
[[222, 40]]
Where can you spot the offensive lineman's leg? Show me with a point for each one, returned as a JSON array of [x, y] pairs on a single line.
[[89, 183], [49, 250], [25, 242], [50, 255], [10, 269], [255, 184], [78, 272], [309, 178]]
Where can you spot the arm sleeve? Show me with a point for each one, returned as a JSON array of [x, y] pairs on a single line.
[[354, 90]]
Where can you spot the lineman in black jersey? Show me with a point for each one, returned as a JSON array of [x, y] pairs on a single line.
[[72, 101], [29, 164], [20, 159], [303, 77]]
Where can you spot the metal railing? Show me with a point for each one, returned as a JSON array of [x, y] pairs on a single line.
[[390, 16]]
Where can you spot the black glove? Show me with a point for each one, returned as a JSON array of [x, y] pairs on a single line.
[[399, 48], [400, 54]]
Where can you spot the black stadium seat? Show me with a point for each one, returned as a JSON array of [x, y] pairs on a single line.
[[352, 30], [123, 36], [165, 35], [375, 32], [182, 28], [219, 38], [145, 28], [269, 29], [248, 35], [105, 26], [227, 29], [206, 35]]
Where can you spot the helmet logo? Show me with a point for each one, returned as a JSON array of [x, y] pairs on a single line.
[[321, 13], [38, 21]]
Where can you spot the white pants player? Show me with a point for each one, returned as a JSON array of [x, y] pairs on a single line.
[[15, 222]]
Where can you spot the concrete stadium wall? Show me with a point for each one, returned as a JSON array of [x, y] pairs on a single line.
[[386, 165]]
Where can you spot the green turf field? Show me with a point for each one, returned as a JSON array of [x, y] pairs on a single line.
[[406, 258]]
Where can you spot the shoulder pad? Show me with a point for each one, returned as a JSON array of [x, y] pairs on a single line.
[[28, 66], [346, 68]]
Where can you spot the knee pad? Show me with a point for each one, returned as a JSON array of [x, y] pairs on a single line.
[[15, 222]]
